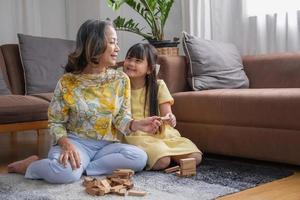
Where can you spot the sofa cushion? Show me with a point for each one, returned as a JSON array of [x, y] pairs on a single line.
[[264, 108], [46, 96], [43, 61], [19, 108], [3, 86], [213, 65]]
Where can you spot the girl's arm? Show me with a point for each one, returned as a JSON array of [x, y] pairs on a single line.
[[166, 111]]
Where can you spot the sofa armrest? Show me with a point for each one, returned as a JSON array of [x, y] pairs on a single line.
[[173, 70]]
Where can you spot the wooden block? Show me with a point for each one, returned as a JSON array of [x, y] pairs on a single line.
[[172, 169], [95, 191], [130, 171], [105, 183], [118, 181], [123, 173], [188, 163], [87, 181], [136, 193], [128, 184], [188, 173], [116, 188], [122, 192], [92, 183], [92, 191], [165, 118]]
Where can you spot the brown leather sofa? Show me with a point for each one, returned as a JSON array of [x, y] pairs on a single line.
[[261, 122], [18, 111]]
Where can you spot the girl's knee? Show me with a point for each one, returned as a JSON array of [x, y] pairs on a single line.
[[197, 156], [162, 163]]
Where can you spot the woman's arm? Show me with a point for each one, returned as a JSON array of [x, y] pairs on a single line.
[[58, 115], [149, 125]]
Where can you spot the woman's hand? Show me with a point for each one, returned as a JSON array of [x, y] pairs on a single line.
[[149, 125], [172, 119], [69, 153]]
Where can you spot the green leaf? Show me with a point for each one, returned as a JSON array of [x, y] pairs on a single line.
[[154, 12], [115, 4]]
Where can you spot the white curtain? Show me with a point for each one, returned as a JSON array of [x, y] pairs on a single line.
[[47, 18], [34, 17], [229, 21]]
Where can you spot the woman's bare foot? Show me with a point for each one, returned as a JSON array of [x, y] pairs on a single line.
[[20, 167]]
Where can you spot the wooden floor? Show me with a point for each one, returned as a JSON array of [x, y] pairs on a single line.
[[25, 144]]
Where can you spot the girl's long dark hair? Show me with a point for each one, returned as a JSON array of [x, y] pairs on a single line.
[[90, 44], [148, 52]]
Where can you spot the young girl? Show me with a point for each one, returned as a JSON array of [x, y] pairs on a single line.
[[151, 97]]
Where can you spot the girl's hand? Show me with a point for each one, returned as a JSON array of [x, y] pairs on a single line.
[[69, 153], [149, 125], [172, 119]]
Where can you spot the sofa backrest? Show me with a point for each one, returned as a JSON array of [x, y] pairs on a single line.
[[13, 69], [3, 69], [281, 70], [173, 70]]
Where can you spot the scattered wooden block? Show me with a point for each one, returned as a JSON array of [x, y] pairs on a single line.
[[188, 163], [117, 183], [92, 191], [128, 184], [122, 192], [87, 181], [105, 183], [187, 173], [123, 173], [136, 193], [116, 188], [172, 169]]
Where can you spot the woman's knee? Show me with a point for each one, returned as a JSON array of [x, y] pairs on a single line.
[[62, 175], [138, 156], [162, 163]]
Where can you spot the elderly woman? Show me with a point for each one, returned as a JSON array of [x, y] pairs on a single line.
[[90, 107]]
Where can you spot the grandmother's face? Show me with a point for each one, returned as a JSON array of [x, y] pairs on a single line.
[[109, 57]]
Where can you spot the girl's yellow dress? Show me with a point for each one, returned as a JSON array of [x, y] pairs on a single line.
[[167, 143]]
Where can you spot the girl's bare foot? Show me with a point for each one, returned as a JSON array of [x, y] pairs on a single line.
[[20, 167]]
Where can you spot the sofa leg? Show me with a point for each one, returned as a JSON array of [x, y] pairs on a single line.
[[40, 141], [13, 144], [13, 138]]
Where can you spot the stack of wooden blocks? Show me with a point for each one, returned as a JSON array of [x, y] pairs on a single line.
[[119, 183], [187, 168]]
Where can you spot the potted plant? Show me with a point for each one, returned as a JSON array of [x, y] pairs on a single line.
[[154, 12]]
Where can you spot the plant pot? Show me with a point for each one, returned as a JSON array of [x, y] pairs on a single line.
[[165, 47], [163, 43]]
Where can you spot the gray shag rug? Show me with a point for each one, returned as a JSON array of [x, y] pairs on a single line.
[[215, 177]]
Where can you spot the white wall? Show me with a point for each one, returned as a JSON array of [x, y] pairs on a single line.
[[62, 18], [33, 17]]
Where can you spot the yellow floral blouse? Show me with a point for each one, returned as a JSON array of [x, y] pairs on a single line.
[[94, 106]]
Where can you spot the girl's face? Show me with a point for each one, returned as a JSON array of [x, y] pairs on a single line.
[[109, 57], [136, 68]]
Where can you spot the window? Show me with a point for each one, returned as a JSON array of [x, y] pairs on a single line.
[[263, 7]]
